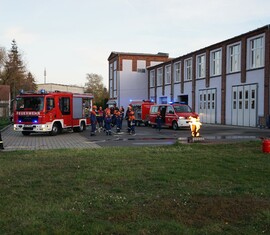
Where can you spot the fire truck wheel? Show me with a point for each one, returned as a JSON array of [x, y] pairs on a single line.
[[174, 126], [25, 132], [55, 129], [81, 128]]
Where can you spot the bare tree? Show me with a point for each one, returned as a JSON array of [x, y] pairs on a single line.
[[2, 61]]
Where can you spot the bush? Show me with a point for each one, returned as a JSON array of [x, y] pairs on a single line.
[[4, 121]]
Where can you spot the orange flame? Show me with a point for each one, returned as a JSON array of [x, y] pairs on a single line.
[[195, 126]]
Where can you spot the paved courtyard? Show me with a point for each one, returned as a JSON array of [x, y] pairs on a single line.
[[16, 141]]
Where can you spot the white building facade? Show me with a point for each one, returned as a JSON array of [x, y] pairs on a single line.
[[226, 83], [128, 77]]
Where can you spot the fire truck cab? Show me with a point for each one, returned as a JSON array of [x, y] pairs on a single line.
[[141, 110], [174, 115], [51, 112]]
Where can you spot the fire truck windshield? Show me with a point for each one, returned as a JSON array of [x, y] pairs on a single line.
[[35, 103]]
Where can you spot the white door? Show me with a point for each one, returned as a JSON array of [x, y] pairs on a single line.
[[213, 106], [253, 105], [207, 105], [202, 110], [246, 106], [234, 105], [240, 113]]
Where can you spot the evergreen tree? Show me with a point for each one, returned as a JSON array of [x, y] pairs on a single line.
[[14, 70], [28, 83]]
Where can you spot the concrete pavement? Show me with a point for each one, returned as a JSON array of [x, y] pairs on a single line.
[[16, 141]]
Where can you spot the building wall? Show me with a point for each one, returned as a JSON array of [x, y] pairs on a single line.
[[132, 85], [176, 91], [188, 91], [152, 94], [5, 102]]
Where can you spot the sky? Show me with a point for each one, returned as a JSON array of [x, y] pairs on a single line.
[[71, 38]]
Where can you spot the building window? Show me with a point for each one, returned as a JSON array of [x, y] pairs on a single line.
[[201, 66], [152, 78], [141, 65], [215, 63], [159, 77], [141, 70], [111, 81], [115, 78], [234, 58], [111, 71], [188, 69], [177, 72], [168, 74], [256, 52]]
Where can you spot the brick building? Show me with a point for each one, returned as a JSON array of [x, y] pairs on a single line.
[[226, 83]]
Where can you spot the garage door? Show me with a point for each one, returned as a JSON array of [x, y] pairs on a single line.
[[244, 105]]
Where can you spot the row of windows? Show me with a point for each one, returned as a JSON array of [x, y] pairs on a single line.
[[255, 59]]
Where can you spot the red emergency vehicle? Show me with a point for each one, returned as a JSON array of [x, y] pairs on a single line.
[[175, 115], [51, 112], [141, 110]]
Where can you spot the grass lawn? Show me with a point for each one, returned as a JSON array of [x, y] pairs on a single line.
[[176, 189]]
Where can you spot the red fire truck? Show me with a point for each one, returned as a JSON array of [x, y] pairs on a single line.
[[141, 109], [51, 112]]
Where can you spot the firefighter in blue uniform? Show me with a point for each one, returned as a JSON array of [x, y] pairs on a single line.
[[118, 121], [108, 123], [132, 123], [159, 121]]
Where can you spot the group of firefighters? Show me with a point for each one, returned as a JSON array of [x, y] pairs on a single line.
[[105, 120]]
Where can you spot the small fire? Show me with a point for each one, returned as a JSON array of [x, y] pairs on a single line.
[[195, 126]]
